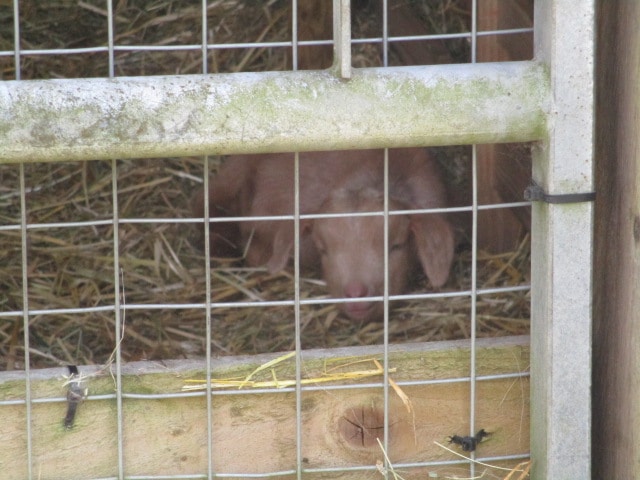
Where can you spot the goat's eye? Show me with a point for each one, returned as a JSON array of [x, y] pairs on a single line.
[[396, 247]]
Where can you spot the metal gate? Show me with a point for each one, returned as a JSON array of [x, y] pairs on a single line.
[[548, 101]]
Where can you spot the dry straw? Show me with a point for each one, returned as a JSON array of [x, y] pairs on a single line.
[[74, 267]]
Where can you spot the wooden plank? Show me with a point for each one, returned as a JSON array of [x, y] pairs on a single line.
[[504, 169], [255, 433], [616, 338]]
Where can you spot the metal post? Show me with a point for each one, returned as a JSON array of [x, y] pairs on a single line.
[[562, 247], [342, 38]]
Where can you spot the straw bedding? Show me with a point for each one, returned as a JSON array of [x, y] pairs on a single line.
[[161, 264]]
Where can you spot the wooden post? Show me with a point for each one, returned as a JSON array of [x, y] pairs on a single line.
[[504, 170], [616, 376]]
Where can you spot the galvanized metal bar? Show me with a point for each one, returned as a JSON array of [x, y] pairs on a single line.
[[385, 301], [473, 320], [562, 247], [207, 271], [119, 317], [25, 324], [297, 318], [111, 40], [17, 51], [385, 33], [294, 35], [342, 38], [80, 119], [296, 266]]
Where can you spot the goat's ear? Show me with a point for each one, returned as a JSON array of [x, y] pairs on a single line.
[[283, 244], [434, 240]]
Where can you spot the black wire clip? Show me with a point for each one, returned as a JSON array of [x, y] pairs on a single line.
[[535, 193], [469, 444], [76, 393]]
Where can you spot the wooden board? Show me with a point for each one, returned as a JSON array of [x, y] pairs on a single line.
[[255, 433], [504, 170], [616, 277]]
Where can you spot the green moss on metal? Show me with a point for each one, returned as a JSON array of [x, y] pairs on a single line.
[[286, 111]]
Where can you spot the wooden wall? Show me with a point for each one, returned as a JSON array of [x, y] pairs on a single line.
[[504, 170], [616, 332]]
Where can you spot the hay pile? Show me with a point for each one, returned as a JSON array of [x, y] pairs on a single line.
[[74, 267]]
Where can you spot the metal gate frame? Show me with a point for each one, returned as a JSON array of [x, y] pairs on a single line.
[[562, 245], [549, 100]]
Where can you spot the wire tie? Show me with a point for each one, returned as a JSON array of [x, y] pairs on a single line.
[[535, 193]]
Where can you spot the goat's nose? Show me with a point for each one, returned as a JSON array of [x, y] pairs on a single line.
[[355, 290]]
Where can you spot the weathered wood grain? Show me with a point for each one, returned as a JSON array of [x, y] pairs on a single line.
[[616, 271], [255, 432]]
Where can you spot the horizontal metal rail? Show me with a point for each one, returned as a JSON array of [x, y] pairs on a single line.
[[135, 117]]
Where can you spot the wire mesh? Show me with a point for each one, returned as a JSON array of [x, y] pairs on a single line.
[[200, 55]]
